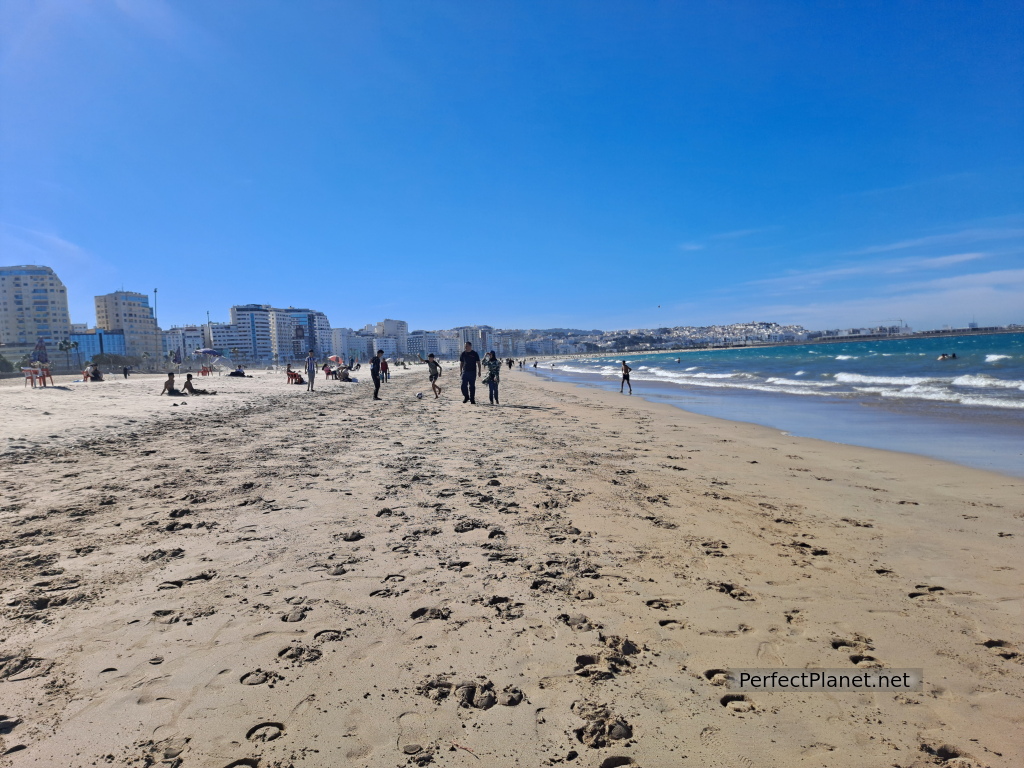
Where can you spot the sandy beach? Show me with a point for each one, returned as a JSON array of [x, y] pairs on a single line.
[[280, 579]]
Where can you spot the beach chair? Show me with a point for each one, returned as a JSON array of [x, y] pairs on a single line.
[[43, 375], [30, 376]]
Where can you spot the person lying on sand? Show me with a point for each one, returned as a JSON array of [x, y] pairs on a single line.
[[192, 390], [169, 387]]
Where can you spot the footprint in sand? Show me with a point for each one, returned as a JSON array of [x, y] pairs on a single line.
[[602, 727], [329, 636], [412, 733], [427, 614], [298, 613], [717, 676], [924, 590], [265, 732], [737, 702], [1002, 648]]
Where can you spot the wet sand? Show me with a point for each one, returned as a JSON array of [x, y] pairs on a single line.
[[273, 578]]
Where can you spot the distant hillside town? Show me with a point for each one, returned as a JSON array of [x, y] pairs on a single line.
[[34, 307]]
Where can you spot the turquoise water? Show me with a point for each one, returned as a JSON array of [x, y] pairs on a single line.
[[893, 394]]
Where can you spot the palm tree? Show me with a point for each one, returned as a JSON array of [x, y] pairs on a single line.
[[65, 347], [145, 358], [74, 348]]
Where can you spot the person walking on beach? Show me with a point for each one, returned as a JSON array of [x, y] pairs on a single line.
[[469, 366], [625, 378], [375, 372], [435, 372], [310, 370], [385, 371], [493, 366]]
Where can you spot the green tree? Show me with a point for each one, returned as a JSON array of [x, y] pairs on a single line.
[[65, 347], [6, 366]]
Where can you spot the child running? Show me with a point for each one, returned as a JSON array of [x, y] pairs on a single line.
[[435, 372]]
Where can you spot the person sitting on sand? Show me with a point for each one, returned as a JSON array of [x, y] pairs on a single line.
[[343, 375], [192, 390], [240, 372], [169, 387]]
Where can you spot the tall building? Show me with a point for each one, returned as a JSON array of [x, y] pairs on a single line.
[[255, 320], [33, 305], [477, 335], [130, 312], [311, 330], [183, 340], [230, 340], [424, 343], [399, 329]]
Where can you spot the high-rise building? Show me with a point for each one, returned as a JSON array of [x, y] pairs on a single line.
[[255, 321], [229, 340], [33, 305], [182, 340], [311, 330], [424, 343], [130, 312], [399, 329]]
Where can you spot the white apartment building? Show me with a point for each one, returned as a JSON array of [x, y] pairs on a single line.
[[424, 343], [477, 335], [399, 329], [130, 312], [183, 340], [256, 320], [449, 347], [388, 343], [33, 305], [230, 340]]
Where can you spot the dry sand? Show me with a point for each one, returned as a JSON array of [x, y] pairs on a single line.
[[274, 578]]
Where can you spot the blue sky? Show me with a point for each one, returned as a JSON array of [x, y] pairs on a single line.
[[521, 164]]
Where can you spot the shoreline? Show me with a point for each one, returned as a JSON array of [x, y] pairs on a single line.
[[983, 440], [308, 579]]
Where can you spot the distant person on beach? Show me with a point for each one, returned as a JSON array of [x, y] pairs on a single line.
[[375, 372], [385, 371], [125, 371], [239, 372], [534, 363], [469, 366], [169, 387], [625, 378], [310, 370], [192, 390], [435, 372], [493, 366]]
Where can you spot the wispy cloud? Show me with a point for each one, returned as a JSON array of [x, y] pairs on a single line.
[[691, 247], [949, 239], [817, 277]]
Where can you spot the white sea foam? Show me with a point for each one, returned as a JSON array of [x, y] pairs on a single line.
[[800, 373], [846, 357], [994, 358], [856, 378], [987, 382], [692, 368], [922, 392], [795, 383]]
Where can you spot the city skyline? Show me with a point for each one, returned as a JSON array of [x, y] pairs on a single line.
[[593, 165]]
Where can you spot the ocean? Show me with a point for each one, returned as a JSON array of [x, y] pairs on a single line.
[[893, 394]]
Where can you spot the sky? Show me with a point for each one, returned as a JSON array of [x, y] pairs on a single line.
[[528, 164]]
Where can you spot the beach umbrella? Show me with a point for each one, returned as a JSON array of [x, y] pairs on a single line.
[[336, 359], [39, 353], [207, 351], [177, 356]]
